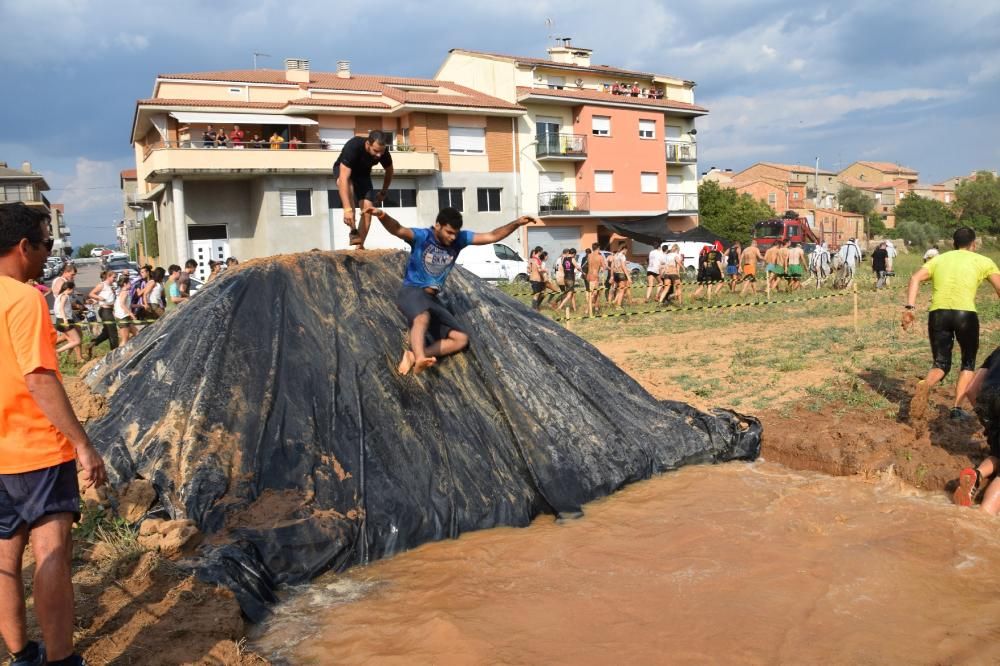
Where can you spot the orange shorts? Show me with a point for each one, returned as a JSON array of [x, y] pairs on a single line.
[[749, 269]]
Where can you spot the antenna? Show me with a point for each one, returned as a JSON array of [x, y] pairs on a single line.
[[550, 24], [262, 55]]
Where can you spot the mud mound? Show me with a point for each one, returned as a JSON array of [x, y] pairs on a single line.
[[268, 410]]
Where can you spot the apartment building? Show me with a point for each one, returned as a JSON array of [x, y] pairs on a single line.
[[880, 172], [836, 227], [939, 192], [818, 185], [450, 144], [596, 143], [780, 195], [886, 195], [26, 186]]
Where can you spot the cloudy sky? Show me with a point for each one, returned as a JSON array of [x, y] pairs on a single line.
[[914, 82]]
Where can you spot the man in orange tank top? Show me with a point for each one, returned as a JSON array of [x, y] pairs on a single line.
[[40, 444]]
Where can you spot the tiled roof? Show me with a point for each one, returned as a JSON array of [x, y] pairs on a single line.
[[221, 103], [386, 85], [868, 185], [798, 168], [889, 167], [608, 98], [838, 213], [597, 69], [348, 103], [59, 207], [18, 173], [937, 187], [129, 174]]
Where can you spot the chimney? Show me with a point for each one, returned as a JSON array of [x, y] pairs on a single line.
[[3, 165], [343, 69], [26, 167], [568, 54], [296, 70]]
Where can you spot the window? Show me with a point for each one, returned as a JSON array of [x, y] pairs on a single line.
[[469, 140], [236, 91], [489, 199], [556, 82], [647, 129], [296, 203], [673, 132], [504, 252], [601, 125], [604, 181], [650, 181], [406, 198], [772, 198], [333, 138], [795, 195], [450, 197], [674, 182]]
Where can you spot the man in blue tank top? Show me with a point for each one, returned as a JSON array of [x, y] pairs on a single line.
[[434, 331]]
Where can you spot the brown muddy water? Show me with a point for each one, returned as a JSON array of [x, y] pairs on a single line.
[[735, 564]]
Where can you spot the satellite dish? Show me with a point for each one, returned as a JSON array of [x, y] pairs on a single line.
[[579, 83]]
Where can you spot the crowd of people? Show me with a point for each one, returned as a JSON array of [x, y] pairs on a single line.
[[237, 138], [634, 90]]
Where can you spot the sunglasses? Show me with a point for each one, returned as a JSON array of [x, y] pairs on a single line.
[[49, 244]]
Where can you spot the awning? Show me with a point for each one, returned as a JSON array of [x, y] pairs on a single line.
[[653, 230], [241, 118]]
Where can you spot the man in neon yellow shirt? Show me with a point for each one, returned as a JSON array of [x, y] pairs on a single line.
[[956, 276]]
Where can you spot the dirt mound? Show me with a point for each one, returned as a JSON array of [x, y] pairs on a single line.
[[87, 405], [269, 412]]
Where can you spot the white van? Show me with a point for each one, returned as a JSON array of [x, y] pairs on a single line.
[[495, 261], [691, 250]]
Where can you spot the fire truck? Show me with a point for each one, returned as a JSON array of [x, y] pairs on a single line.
[[795, 229]]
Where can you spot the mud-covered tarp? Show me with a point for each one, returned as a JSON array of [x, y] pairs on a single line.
[[269, 411]]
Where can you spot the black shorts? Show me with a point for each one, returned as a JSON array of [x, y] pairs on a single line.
[[64, 328], [27, 497], [537, 287], [569, 285], [620, 277], [946, 326], [652, 274], [414, 301], [361, 184]]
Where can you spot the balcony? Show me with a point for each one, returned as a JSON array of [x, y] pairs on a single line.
[[681, 152], [565, 147], [64, 231], [682, 204], [563, 203], [28, 194], [163, 161]]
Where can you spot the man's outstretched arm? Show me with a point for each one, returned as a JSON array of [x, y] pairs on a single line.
[[391, 225], [502, 232]]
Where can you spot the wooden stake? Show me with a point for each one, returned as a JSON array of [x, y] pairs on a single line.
[[857, 331]]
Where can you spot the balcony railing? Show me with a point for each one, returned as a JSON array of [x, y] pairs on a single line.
[[163, 159], [682, 204], [561, 146], [26, 193], [681, 152], [563, 203]]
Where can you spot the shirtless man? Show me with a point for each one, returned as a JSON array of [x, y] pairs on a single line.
[[769, 261], [795, 266], [595, 265], [780, 263], [620, 275], [535, 279], [748, 266]]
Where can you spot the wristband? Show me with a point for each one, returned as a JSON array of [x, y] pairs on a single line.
[[909, 307]]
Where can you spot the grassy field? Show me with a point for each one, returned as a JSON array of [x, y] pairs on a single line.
[[778, 356]]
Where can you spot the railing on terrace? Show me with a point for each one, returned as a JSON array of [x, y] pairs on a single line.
[[563, 203], [552, 144], [681, 152], [682, 203], [265, 144]]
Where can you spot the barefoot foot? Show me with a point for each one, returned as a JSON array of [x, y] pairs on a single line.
[[406, 364], [422, 364]]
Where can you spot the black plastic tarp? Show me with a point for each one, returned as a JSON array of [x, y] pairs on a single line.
[[269, 411], [653, 230]]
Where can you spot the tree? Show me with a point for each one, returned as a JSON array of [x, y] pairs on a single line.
[[84, 251], [854, 200], [729, 214], [921, 234], [876, 227], [978, 202], [926, 211]]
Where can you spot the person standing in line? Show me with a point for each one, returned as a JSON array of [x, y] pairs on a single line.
[[535, 279], [733, 265], [620, 274], [597, 267], [653, 266], [104, 296], [569, 268], [748, 261], [670, 270], [795, 266], [880, 264], [63, 307], [156, 300], [956, 276], [123, 312], [711, 272], [41, 443]]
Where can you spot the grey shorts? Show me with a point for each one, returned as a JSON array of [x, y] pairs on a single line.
[[414, 301], [28, 497]]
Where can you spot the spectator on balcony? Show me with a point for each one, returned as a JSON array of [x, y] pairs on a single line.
[[221, 140], [236, 137], [208, 137], [616, 89], [256, 141], [636, 90], [276, 140], [294, 143]]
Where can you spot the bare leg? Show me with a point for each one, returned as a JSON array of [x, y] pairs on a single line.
[[364, 223], [52, 545], [918, 405], [454, 343], [407, 362], [418, 333], [972, 390], [12, 615], [965, 378]]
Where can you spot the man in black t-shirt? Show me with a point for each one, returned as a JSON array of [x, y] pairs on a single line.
[[353, 171], [879, 259]]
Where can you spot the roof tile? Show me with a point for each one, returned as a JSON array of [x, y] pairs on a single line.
[[598, 96]]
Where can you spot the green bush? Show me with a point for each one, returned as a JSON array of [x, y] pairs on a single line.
[[921, 234]]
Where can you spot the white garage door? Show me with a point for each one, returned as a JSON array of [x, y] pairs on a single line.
[[554, 239]]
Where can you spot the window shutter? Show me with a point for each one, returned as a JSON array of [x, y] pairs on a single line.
[[288, 203], [603, 181], [647, 128], [467, 139], [601, 124], [649, 181]]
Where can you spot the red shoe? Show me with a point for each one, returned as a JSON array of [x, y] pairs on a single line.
[[968, 487]]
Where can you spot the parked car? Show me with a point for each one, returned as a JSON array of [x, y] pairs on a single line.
[[123, 267], [98, 252], [495, 261]]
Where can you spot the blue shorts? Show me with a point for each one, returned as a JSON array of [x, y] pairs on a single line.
[[730, 270], [28, 497]]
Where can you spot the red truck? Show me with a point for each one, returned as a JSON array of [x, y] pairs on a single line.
[[796, 230]]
